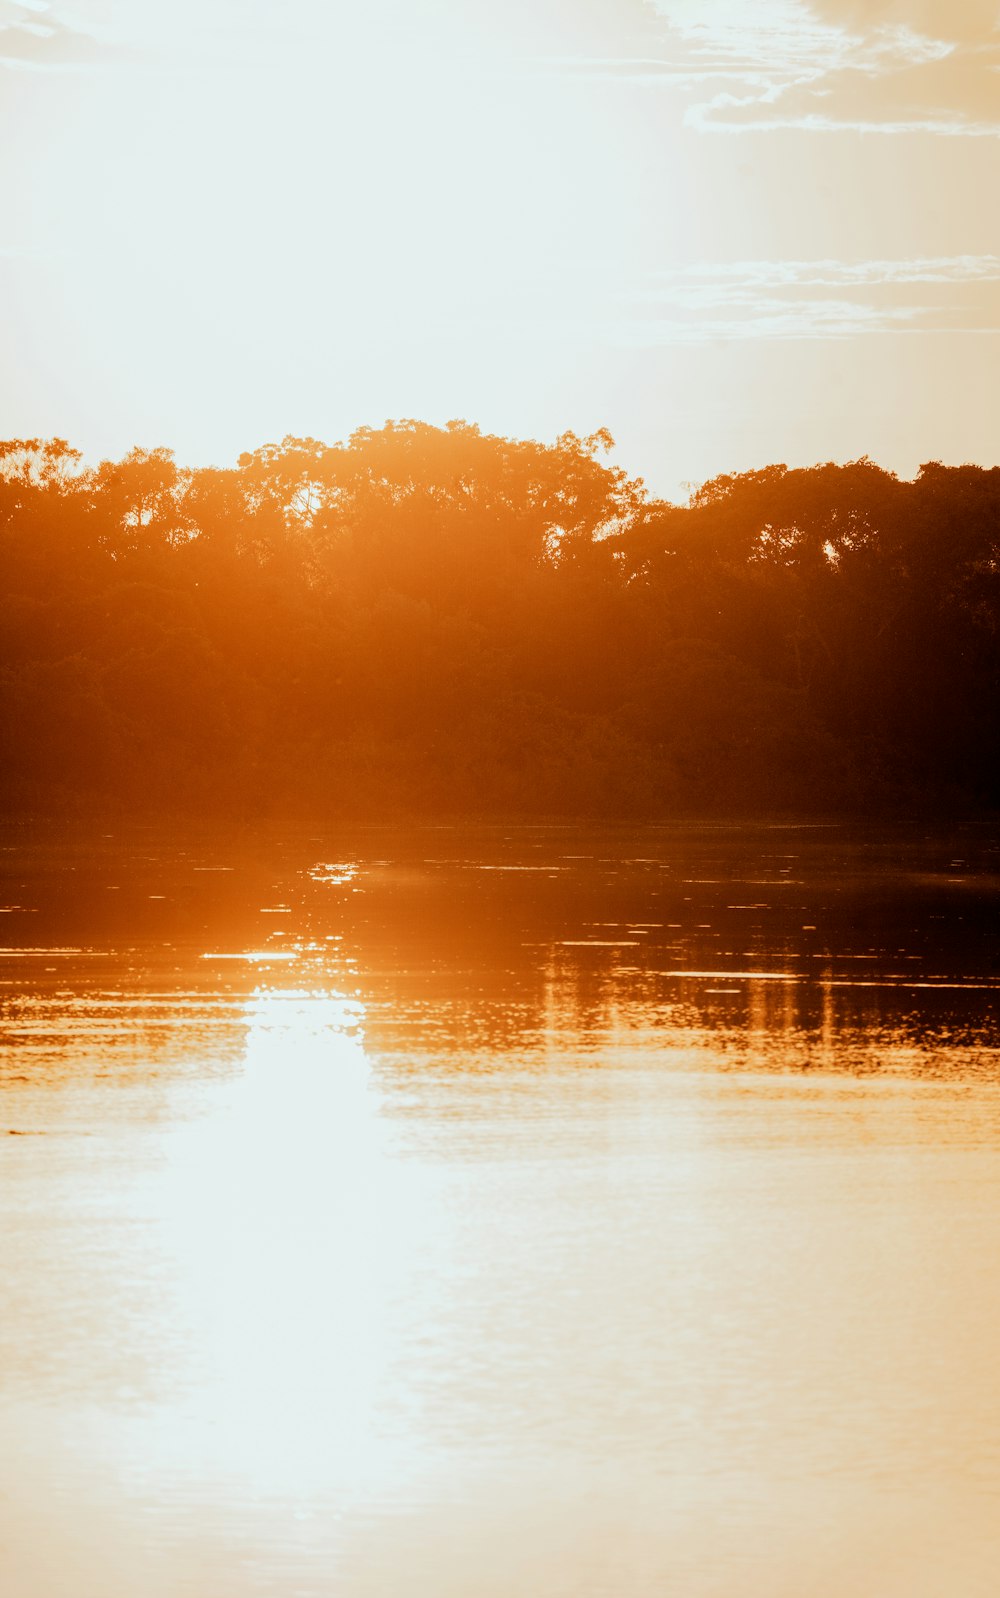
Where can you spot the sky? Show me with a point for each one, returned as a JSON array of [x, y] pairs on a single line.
[[731, 231]]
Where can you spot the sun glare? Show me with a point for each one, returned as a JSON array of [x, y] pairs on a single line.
[[289, 1231]]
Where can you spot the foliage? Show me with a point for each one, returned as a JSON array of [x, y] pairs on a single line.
[[431, 620]]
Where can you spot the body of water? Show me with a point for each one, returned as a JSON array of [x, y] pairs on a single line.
[[540, 1212]]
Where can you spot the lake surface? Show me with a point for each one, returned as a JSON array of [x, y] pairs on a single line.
[[540, 1212]]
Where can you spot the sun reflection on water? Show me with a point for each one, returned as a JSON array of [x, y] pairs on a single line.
[[291, 1233]]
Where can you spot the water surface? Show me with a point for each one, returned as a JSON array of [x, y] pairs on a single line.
[[547, 1212]]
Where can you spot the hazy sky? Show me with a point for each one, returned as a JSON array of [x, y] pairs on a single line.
[[733, 231]]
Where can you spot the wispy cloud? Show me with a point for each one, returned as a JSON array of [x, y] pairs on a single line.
[[967, 21], [711, 301], [821, 299], [34, 36], [949, 94], [887, 66], [746, 275]]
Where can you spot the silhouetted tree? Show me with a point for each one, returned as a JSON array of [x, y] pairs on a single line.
[[431, 619]]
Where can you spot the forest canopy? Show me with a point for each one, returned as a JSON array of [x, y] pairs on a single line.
[[438, 621]]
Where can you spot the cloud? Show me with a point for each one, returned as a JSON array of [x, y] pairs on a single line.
[[854, 274], [957, 21], [32, 36], [16, 11], [885, 66], [822, 299], [739, 301], [880, 65], [956, 93], [773, 319]]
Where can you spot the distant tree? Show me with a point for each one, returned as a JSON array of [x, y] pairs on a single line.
[[425, 619], [137, 503]]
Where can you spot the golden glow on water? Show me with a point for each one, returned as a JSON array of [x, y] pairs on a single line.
[[284, 1213], [255, 956], [428, 1244]]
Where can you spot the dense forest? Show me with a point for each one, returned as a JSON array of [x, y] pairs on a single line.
[[434, 621]]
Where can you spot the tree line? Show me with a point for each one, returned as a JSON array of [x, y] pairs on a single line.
[[438, 621]]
